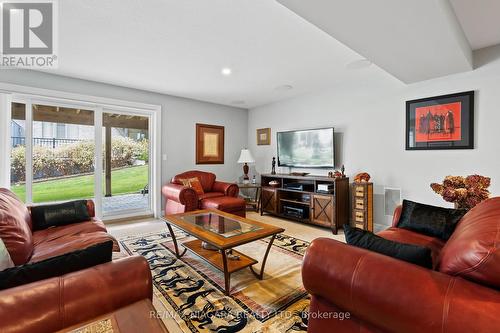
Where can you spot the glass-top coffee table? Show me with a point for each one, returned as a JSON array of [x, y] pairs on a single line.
[[222, 231]]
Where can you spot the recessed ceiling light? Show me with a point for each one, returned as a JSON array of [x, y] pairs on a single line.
[[284, 87], [238, 102], [358, 64], [226, 71]]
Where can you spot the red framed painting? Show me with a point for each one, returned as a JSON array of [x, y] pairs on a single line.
[[440, 122]]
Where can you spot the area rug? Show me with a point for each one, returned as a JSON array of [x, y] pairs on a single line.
[[191, 291]]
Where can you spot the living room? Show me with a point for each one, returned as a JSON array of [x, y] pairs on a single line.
[[153, 139]]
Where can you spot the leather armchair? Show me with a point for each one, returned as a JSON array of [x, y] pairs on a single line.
[[180, 199], [382, 294], [53, 304]]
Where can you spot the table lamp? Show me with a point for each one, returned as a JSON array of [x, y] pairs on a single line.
[[245, 158]]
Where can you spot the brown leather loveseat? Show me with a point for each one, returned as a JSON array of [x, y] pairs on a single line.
[[217, 195], [120, 289], [355, 290], [26, 245]]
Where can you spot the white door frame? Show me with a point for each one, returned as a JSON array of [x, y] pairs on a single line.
[[12, 92]]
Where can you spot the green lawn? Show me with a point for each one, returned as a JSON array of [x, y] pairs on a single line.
[[128, 180]]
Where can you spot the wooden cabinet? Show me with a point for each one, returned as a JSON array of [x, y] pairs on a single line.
[[300, 198], [322, 209], [362, 205], [269, 200]]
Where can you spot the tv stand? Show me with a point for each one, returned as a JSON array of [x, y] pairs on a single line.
[[297, 198]]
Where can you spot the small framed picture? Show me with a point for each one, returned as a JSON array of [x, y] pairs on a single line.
[[263, 136], [441, 122]]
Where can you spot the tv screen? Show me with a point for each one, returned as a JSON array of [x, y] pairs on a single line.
[[306, 148]]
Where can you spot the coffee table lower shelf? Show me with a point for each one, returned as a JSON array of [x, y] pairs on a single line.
[[215, 257]]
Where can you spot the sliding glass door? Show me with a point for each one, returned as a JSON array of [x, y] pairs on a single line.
[[62, 153], [54, 155], [126, 172]]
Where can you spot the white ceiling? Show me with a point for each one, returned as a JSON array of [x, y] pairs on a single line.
[[480, 21], [412, 40], [179, 47]]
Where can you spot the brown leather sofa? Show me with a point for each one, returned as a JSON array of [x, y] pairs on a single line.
[[355, 290], [26, 245], [120, 289], [218, 195]]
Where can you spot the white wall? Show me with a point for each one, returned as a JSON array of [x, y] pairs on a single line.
[[179, 116], [370, 120]]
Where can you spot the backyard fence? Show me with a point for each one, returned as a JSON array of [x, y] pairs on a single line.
[[42, 142]]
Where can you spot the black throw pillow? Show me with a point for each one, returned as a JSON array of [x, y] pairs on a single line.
[[56, 266], [47, 216], [429, 220], [414, 254]]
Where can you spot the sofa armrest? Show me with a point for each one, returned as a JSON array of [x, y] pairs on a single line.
[[56, 303], [91, 208], [397, 215], [181, 194], [229, 189], [396, 296]]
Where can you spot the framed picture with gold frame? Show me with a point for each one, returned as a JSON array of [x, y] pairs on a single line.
[[209, 144], [263, 136]]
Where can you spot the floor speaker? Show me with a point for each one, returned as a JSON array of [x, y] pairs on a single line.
[[392, 198]]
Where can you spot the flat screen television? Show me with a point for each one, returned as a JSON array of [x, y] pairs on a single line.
[[312, 148]]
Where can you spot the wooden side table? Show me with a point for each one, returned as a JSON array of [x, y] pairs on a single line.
[[254, 202]]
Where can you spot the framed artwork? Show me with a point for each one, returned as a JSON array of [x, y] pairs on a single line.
[[441, 122], [209, 144], [263, 136]]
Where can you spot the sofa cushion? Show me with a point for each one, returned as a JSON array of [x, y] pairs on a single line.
[[207, 179], [68, 244], [54, 233], [226, 204], [429, 220], [15, 227], [70, 262], [473, 251], [52, 215], [414, 254], [415, 238]]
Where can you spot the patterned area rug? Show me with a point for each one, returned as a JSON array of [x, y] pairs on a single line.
[[191, 291]]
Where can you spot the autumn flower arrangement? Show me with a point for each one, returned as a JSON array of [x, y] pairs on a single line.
[[464, 192]]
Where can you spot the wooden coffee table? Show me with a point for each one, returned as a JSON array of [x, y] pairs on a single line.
[[223, 231]]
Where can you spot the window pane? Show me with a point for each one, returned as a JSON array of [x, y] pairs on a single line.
[[63, 154], [18, 150], [126, 163]]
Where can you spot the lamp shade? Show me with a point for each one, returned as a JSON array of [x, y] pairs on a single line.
[[246, 157]]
